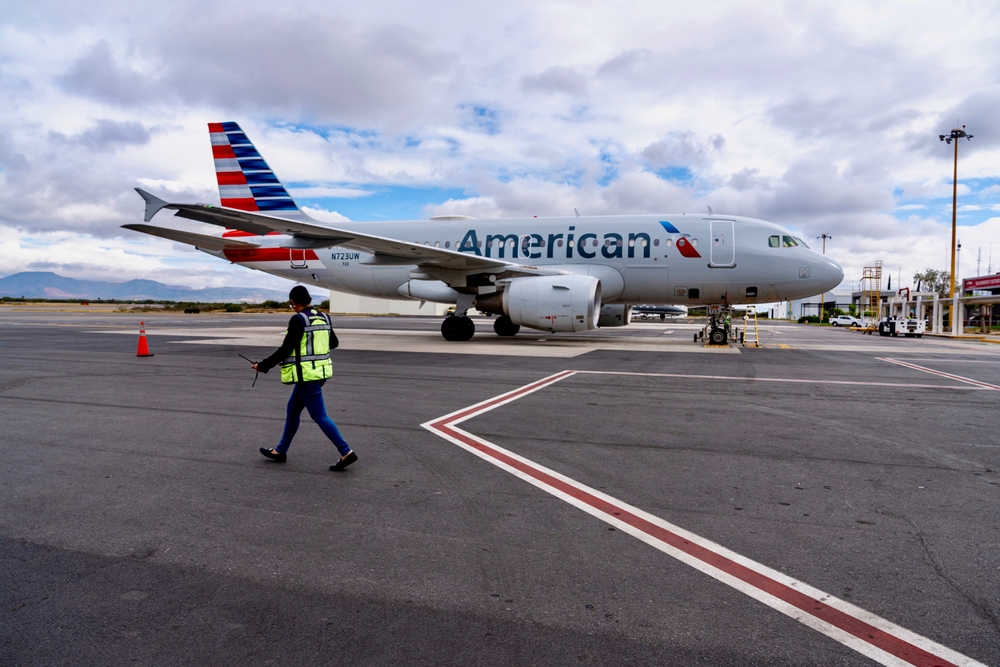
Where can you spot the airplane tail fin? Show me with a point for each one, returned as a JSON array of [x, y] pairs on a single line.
[[246, 182]]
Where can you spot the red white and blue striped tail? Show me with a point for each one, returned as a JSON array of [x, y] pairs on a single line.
[[246, 182]]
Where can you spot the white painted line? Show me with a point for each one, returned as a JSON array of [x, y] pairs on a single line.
[[906, 385], [951, 361], [950, 376], [872, 636]]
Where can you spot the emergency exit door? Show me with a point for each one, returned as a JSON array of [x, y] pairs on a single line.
[[722, 253]]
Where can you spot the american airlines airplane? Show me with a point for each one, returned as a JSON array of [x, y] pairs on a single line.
[[551, 274]]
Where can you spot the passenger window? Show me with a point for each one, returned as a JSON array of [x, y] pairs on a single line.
[[774, 242], [789, 242], [447, 244]]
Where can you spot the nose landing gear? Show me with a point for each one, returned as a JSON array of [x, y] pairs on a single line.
[[718, 336], [719, 327]]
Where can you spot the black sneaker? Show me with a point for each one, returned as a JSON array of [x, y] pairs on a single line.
[[273, 455], [344, 462]]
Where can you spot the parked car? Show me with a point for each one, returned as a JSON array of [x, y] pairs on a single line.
[[845, 321]]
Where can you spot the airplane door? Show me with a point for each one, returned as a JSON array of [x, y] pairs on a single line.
[[298, 258], [722, 254]]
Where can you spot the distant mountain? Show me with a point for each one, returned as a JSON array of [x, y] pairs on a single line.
[[48, 285]]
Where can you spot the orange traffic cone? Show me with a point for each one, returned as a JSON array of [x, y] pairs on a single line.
[[143, 350]]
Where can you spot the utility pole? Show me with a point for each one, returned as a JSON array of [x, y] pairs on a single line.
[[822, 297], [958, 264], [956, 134]]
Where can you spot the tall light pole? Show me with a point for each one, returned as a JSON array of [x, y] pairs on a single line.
[[958, 260], [822, 297], [955, 135]]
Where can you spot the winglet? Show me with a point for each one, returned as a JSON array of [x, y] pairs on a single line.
[[153, 203]]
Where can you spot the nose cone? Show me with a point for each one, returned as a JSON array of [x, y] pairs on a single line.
[[829, 273]]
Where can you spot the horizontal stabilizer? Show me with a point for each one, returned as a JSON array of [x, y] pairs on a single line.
[[197, 240]]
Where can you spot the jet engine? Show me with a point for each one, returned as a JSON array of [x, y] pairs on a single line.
[[549, 303], [615, 315]]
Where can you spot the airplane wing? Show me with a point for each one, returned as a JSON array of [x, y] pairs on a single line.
[[309, 235], [197, 240]]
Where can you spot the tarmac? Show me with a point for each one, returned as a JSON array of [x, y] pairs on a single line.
[[663, 504]]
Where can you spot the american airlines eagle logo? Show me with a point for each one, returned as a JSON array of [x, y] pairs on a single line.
[[683, 242]]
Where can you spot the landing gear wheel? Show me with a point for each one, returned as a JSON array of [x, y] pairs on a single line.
[[457, 328], [503, 326], [717, 336]]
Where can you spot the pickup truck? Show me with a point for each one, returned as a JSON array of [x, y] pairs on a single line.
[[845, 321]]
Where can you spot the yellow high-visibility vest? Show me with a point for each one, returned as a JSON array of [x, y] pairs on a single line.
[[311, 361]]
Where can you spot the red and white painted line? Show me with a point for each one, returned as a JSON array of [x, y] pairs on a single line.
[[950, 376], [866, 633]]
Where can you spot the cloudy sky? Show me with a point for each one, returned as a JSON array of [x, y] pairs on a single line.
[[822, 116]]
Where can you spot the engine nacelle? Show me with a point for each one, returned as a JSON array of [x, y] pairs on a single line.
[[615, 315], [549, 303]]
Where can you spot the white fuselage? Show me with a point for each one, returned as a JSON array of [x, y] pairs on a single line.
[[677, 259]]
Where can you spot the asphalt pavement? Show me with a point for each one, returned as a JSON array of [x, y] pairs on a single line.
[[141, 526]]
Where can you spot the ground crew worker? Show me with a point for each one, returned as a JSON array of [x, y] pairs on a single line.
[[305, 362]]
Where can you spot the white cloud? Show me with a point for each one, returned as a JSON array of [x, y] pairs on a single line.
[[119, 259], [323, 215], [319, 191], [822, 116]]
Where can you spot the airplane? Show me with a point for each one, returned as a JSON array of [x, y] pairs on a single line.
[[661, 311], [559, 274]]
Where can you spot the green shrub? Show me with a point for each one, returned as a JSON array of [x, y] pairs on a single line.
[[234, 308]]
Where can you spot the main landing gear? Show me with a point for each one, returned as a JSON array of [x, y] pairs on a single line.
[[456, 328], [505, 327]]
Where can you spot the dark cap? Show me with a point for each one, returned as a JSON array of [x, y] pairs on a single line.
[[300, 295]]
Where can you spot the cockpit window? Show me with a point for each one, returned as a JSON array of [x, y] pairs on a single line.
[[774, 241], [801, 242], [789, 242]]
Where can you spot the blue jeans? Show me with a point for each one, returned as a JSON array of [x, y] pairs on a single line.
[[309, 395]]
